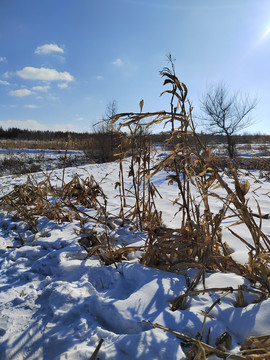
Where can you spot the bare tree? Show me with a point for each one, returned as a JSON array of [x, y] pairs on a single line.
[[226, 114], [111, 110], [104, 135], [103, 126]]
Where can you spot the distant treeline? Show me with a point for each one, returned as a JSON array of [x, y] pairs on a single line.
[[38, 135], [22, 134], [211, 139], [239, 139]]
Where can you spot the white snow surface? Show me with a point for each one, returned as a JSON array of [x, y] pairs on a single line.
[[55, 304]]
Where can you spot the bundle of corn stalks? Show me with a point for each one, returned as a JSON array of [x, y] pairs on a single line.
[[85, 191], [34, 199], [143, 211], [198, 241]]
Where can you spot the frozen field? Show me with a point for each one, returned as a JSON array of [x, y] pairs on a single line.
[[18, 161]]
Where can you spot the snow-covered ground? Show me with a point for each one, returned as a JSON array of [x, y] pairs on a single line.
[[55, 304], [17, 161]]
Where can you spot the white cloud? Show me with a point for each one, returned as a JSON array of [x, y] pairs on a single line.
[[48, 49], [41, 88], [63, 85], [20, 92], [3, 59], [54, 98], [31, 106], [45, 74], [28, 124], [118, 62], [99, 77], [8, 74], [80, 118], [4, 82]]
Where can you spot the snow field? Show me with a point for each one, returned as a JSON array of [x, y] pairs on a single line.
[[54, 304]]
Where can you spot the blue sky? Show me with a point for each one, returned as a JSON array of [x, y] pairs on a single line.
[[63, 61]]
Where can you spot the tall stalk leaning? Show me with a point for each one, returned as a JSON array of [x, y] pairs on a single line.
[[194, 227], [178, 141]]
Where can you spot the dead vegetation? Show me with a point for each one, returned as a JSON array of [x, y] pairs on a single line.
[[256, 347], [33, 200], [196, 243]]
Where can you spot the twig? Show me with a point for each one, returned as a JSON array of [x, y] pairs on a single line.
[[186, 338], [178, 299], [94, 355], [211, 307]]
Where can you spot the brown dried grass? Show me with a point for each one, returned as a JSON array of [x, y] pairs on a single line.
[[34, 199]]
